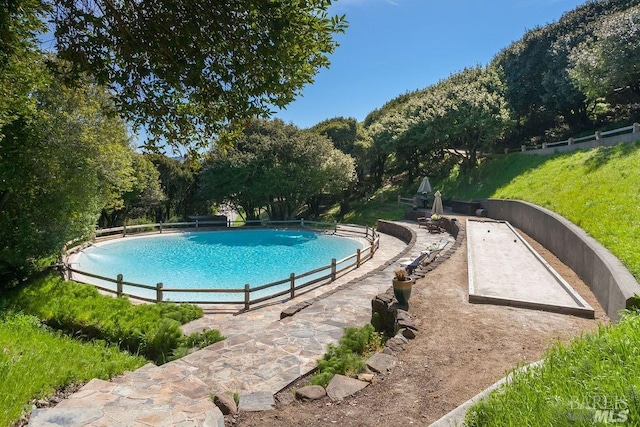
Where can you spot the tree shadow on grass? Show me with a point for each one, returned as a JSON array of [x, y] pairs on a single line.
[[604, 155], [491, 175]]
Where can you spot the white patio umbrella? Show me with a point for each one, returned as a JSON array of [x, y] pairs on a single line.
[[425, 186], [437, 204]]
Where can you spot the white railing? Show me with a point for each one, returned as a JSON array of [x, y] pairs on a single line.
[[610, 137], [336, 269]]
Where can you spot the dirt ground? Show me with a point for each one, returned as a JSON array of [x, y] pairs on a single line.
[[460, 350]]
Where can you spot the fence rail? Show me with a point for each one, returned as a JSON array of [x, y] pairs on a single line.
[[610, 137], [161, 227], [411, 201], [336, 269]]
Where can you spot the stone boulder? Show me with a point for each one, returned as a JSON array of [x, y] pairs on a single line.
[[387, 316], [256, 401], [312, 392], [341, 387], [381, 363], [226, 404]]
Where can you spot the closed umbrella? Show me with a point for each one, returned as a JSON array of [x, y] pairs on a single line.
[[425, 186], [437, 204]]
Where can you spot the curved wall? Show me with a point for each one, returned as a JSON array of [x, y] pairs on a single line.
[[612, 284], [397, 230]]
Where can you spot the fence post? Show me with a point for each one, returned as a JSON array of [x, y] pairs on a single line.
[[333, 269], [335, 226], [523, 148], [366, 233], [246, 297], [160, 227], [293, 285], [570, 141], [124, 230], [358, 258], [159, 292], [196, 224], [598, 135], [544, 145], [302, 222], [636, 127], [119, 285]]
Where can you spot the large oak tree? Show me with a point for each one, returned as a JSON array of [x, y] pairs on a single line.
[[275, 168], [608, 63]]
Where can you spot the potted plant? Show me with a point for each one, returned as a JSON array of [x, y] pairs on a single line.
[[402, 284]]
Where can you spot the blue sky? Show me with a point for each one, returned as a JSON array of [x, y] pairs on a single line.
[[395, 46]]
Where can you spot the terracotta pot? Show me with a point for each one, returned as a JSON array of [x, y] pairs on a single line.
[[402, 291]]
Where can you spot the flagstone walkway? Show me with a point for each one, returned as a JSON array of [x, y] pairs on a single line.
[[261, 353]]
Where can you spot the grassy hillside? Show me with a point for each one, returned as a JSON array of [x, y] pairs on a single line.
[[593, 381], [599, 190]]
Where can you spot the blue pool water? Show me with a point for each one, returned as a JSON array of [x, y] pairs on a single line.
[[219, 259]]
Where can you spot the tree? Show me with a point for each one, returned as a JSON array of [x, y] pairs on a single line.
[[542, 95], [349, 137], [608, 63], [473, 113], [178, 178], [187, 70], [342, 131], [20, 60], [275, 168], [64, 154], [55, 160], [146, 196]]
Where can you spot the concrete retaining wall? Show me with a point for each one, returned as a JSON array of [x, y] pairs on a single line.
[[612, 284], [396, 230]]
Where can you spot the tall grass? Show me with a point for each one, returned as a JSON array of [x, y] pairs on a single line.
[[593, 381], [598, 190], [151, 330], [35, 362]]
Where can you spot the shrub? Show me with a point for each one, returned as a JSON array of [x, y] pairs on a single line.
[[151, 330], [347, 358]]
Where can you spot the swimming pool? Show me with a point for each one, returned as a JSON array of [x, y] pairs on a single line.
[[211, 260]]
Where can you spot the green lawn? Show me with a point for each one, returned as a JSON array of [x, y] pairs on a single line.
[[35, 362]]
